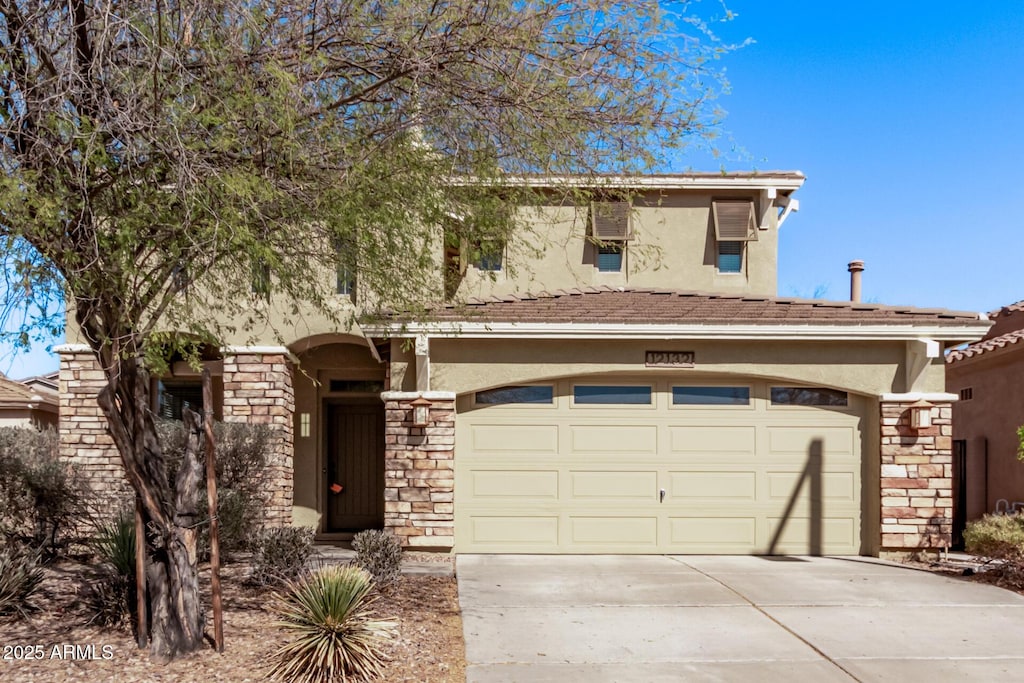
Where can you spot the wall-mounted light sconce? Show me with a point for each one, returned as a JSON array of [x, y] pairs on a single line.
[[420, 412], [921, 414], [304, 424]]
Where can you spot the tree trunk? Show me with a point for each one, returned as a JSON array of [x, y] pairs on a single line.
[[171, 514], [174, 569]]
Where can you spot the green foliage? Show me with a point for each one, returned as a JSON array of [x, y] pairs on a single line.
[[281, 555], [999, 537], [39, 497], [380, 554], [1020, 439], [335, 635], [241, 456], [110, 595], [21, 574], [114, 543]]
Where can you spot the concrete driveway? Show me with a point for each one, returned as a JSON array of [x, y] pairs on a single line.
[[688, 618]]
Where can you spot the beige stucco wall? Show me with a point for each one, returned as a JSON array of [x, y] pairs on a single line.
[[673, 247], [36, 419], [988, 423], [461, 365]]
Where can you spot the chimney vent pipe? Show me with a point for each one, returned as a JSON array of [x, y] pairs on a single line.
[[855, 268]]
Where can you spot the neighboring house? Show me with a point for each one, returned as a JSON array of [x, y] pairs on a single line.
[[988, 377], [27, 405], [643, 392]]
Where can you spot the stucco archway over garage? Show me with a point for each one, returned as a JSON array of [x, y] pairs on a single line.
[[642, 464]]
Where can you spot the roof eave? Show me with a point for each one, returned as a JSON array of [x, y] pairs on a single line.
[[518, 330]]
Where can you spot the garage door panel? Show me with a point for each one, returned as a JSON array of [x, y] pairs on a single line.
[[839, 486], [618, 438], [499, 438], [704, 485], [514, 484], [708, 439], [799, 440], [838, 535], [717, 532], [614, 531], [612, 485], [512, 531]]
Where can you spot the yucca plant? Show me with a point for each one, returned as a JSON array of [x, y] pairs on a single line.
[[21, 575], [335, 634], [114, 542]]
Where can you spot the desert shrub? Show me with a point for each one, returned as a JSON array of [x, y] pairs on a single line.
[[1000, 537], [241, 458], [379, 553], [110, 595], [335, 634], [21, 574], [281, 555], [39, 497]]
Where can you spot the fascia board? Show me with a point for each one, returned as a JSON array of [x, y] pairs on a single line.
[[783, 183], [674, 331]]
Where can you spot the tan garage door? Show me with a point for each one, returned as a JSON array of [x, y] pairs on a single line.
[[640, 466]]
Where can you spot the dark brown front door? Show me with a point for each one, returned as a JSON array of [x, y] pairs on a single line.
[[355, 466]]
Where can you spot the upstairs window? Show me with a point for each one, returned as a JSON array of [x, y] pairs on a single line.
[[609, 258], [261, 279], [489, 255], [730, 257], [346, 267]]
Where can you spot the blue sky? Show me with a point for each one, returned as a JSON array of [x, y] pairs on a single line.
[[906, 118]]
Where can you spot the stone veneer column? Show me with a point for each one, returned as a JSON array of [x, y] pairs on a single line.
[[917, 478], [419, 476], [83, 438], [258, 390]]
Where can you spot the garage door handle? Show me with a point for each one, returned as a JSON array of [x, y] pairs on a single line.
[[661, 495]]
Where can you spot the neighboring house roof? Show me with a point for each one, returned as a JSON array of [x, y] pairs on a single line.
[[627, 306], [17, 395], [1007, 332], [50, 381]]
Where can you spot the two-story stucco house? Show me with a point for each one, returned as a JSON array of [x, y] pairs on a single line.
[[615, 379]]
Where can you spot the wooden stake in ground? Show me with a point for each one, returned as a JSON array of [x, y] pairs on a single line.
[[211, 494], [142, 634]]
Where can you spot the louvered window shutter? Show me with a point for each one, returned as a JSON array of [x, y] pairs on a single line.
[[610, 221], [734, 220]]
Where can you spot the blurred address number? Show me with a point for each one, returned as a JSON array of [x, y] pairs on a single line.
[[670, 359]]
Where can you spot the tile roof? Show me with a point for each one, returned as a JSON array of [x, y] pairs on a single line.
[[16, 393], [1008, 331], [653, 306]]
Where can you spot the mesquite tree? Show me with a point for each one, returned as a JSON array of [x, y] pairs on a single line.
[[156, 154]]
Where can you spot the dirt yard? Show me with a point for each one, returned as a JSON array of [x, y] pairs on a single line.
[[429, 646]]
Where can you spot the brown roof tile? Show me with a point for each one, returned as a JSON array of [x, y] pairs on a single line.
[[12, 392], [1007, 331], [608, 305]]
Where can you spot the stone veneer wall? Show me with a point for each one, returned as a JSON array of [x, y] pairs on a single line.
[[917, 479], [258, 390], [419, 471], [83, 438]]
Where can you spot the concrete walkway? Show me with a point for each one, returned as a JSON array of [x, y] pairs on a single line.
[[689, 618]]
